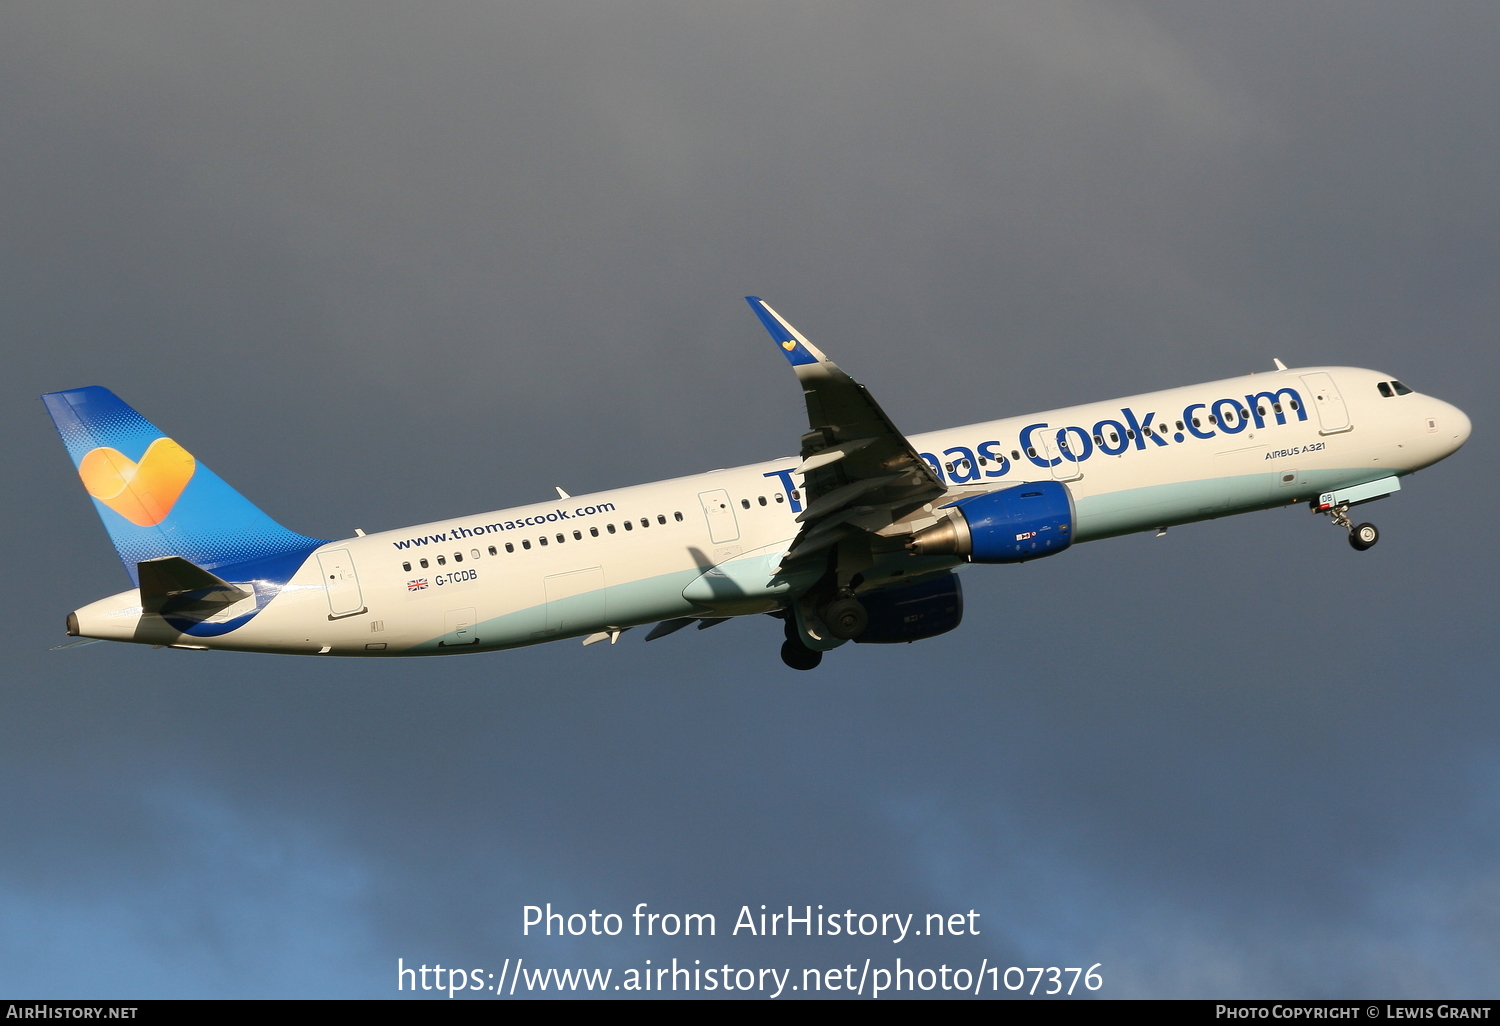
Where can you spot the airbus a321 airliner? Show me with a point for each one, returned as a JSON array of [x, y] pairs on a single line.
[[856, 539]]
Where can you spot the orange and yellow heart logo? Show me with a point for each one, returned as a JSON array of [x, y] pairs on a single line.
[[789, 344], [145, 492]]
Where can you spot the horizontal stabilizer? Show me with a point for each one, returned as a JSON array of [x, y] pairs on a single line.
[[173, 586]]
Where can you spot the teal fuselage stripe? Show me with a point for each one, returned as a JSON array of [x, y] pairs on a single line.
[[1099, 516], [1142, 509], [651, 598]]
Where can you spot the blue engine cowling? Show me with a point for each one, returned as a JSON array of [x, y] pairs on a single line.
[[922, 609], [1025, 522]]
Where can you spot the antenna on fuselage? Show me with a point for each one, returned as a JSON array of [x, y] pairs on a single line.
[[1278, 363]]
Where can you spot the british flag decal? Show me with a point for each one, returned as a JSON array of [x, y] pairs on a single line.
[[418, 585]]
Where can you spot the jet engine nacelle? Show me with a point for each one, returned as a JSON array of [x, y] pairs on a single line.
[[922, 609], [1025, 522]]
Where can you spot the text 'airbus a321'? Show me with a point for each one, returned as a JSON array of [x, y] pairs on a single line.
[[856, 539]]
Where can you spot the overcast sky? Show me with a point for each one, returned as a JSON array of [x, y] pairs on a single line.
[[379, 263]]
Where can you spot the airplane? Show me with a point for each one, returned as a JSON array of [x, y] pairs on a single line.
[[855, 539]]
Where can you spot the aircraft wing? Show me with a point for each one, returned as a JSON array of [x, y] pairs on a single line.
[[859, 472]]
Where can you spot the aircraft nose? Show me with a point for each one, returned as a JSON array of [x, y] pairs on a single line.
[[1453, 425]]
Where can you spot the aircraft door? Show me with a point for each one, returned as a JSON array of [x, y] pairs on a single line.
[[1049, 447], [1333, 415], [341, 584], [719, 511], [575, 600], [458, 628]]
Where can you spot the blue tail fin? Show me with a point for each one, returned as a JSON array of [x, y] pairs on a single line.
[[156, 500]]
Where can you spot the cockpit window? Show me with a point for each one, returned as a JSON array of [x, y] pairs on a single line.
[[1400, 388], [1385, 389]]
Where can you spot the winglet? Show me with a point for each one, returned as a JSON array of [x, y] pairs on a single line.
[[797, 349]]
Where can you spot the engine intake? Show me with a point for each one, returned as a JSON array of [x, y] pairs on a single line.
[[1028, 521]]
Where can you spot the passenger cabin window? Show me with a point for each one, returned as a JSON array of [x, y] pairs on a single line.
[[458, 557], [761, 499], [494, 553], [423, 564], [510, 546], [593, 532], [777, 497], [406, 567], [610, 528], [525, 543], [578, 536], [1015, 455], [474, 553], [645, 521], [561, 538], [677, 517], [442, 561], [629, 526], [745, 503]]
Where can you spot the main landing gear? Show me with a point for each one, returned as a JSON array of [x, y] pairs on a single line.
[[1361, 536], [844, 618], [795, 654]]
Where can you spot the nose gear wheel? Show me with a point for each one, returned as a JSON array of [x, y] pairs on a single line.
[[1361, 536]]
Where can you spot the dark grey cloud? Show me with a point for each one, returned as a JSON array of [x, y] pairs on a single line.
[[378, 263]]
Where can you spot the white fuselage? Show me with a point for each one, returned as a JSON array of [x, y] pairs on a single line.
[[707, 545]]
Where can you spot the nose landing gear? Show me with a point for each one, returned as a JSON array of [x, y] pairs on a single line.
[[1361, 536]]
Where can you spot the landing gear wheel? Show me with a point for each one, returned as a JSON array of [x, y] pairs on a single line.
[[846, 618], [798, 656], [1363, 537]]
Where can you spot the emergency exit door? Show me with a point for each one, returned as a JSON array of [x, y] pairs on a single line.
[[1063, 460], [718, 510]]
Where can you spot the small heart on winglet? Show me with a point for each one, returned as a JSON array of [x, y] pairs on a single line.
[[145, 492]]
